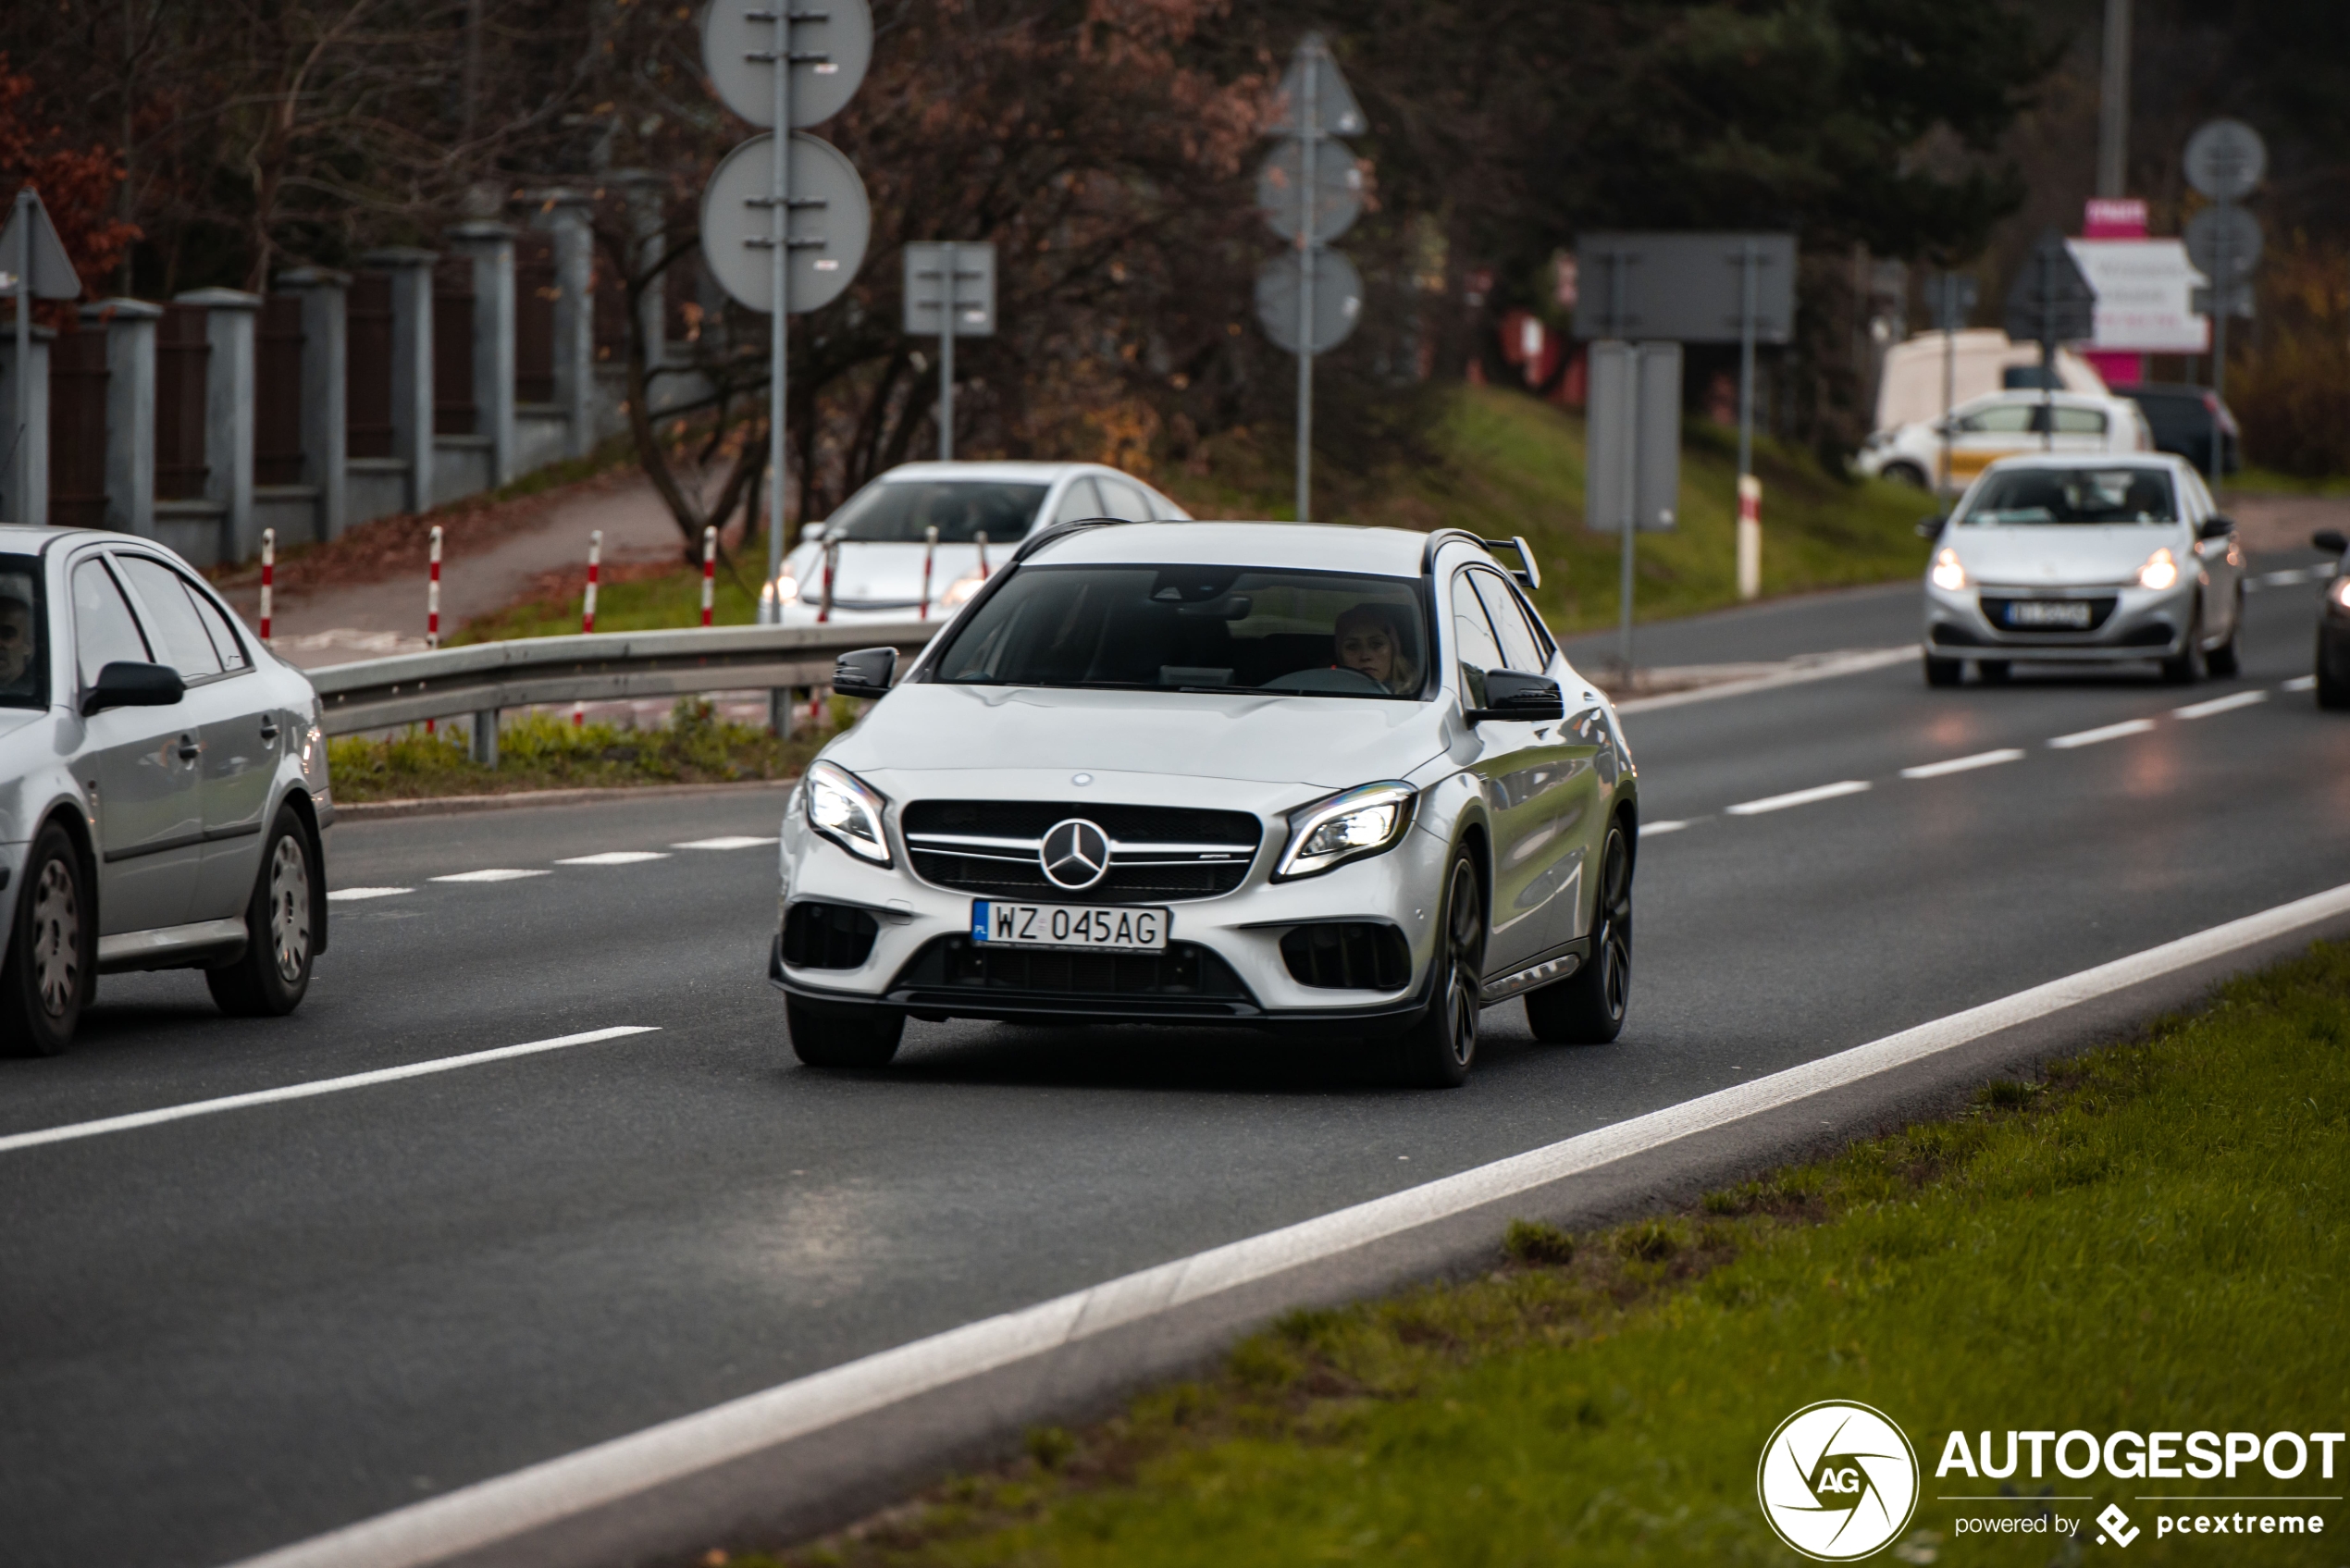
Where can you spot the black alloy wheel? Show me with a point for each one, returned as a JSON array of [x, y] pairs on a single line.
[[1588, 1007], [1440, 1046]]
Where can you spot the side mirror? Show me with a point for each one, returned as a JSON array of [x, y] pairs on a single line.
[[1521, 698], [2215, 528], [134, 685], [811, 531], [1931, 527], [865, 672], [2330, 541]]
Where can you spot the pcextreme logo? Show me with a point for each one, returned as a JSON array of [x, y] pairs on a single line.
[[1837, 1480]]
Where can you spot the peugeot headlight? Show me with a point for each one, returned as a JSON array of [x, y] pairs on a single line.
[[1344, 827], [959, 591], [846, 809], [1947, 574], [2161, 571], [2340, 592]]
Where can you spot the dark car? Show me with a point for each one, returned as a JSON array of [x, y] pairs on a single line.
[[2333, 624], [2181, 418]]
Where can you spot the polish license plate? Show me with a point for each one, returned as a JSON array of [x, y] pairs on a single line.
[[2048, 613], [1068, 925]]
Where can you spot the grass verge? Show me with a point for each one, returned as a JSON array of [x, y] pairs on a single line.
[[2149, 1236], [545, 751]]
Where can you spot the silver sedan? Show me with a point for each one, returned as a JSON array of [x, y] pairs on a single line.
[[163, 788], [2058, 558]]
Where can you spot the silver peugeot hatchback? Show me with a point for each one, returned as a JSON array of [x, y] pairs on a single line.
[[1338, 780], [163, 788]]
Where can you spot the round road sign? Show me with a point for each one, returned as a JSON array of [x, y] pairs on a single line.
[[830, 223], [1337, 300], [2230, 225], [1337, 197], [2225, 159], [831, 43]]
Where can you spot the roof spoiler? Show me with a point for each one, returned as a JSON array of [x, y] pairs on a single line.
[[1529, 570]]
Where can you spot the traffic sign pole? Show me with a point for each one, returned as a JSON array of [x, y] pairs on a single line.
[[2222, 300], [779, 319], [947, 362], [1750, 531], [19, 454], [1309, 130]]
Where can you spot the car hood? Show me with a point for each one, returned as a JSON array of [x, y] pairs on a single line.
[[1327, 743], [2062, 553], [886, 572]]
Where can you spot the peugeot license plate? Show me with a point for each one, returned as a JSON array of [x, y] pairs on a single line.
[[1068, 925], [2048, 613]]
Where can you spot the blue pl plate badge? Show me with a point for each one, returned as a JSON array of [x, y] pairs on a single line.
[[979, 919]]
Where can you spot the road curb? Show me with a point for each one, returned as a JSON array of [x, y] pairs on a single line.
[[454, 805]]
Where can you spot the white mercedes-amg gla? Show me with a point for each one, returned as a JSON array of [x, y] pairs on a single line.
[[1339, 780]]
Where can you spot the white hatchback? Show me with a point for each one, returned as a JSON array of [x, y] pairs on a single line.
[[1984, 429]]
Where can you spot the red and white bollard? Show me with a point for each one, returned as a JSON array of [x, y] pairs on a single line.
[[832, 559], [268, 576], [1750, 536], [432, 606], [588, 607], [709, 571], [981, 539], [930, 550]]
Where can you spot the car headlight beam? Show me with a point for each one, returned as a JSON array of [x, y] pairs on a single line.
[[959, 591], [2340, 592], [1947, 574], [2161, 571], [846, 809], [1346, 826]]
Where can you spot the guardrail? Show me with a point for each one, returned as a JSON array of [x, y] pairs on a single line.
[[375, 694]]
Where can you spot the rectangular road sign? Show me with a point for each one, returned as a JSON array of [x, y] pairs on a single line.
[[1633, 455], [1684, 287], [974, 288]]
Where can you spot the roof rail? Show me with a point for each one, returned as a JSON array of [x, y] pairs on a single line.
[[1527, 572], [1053, 533]]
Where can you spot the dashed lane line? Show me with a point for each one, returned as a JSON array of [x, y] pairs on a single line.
[[2299, 682], [1797, 797], [355, 894], [495, 873], [1650, 830], [2102, 733], [729, 840], [616, 858], [72, 1130], [1963, 764], [2220, 705]]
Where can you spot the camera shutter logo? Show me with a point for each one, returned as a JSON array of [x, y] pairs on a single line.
[[1837, 1480]]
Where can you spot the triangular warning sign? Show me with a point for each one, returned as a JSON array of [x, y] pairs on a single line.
[[1335, 111], [49, 267]]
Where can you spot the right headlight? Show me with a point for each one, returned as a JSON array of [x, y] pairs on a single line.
[[1948, 574], [846, 809], [2161, 571], [1346, 826]]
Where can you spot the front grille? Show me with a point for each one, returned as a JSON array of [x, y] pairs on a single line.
[[1185, 972], [1351, 955], [1158, 853], [1997, 610], [828, 936]]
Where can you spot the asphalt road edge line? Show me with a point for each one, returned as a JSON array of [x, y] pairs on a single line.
[[125, 1123], [486, 1512], [1855, 664]]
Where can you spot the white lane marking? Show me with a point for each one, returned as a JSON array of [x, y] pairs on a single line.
[[494, 874], [353, 894], [616, 858], [730, 841], [2281, 579], [497, 1510], [2106, 732], [1796, 797], [2220, 705], [1650, 830], [1819, 668], [2299, 682], [1963, 764], [308, 1090]]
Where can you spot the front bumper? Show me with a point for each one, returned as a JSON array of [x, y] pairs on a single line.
[[1241, 929], [2143, 624]]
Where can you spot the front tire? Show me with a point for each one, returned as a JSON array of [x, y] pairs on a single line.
[[828, 1039], [2334, 692], [2222, 660], [1440, 1046], [1943, 671], [2187, 668], [45, 976], [1588, 1007], [272, 976]]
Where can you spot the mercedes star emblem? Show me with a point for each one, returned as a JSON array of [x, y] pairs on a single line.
[[1074, 854]]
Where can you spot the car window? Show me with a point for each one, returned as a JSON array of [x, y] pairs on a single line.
[[1472, 642], [24, 666], [2032, 496], [105, 631], [224, 636], [187, 647], [1122, 500], [1079, 502], [2079, 420], [898, 511], [1519, 646], [2002, 419]]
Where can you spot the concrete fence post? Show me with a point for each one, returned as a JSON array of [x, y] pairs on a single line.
[[229, 320], [565, 216], [644, 189], [411, 273], [491, 247], [25, 457], [326, 382], [129, 327]]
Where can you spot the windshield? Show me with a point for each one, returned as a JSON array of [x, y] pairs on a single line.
[[1215, 628], [2023, 497], [960, 510], [24, 666]]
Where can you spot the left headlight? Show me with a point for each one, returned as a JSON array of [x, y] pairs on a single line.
[[1346, 826], [846, 809], [1948, 574]]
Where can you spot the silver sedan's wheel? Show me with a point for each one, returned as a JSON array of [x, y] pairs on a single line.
[[46, 976], [269, 978], [290, 909]]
